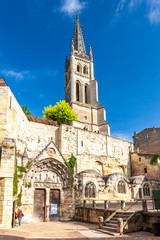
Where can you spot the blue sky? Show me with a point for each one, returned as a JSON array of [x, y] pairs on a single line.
[[125, 38]]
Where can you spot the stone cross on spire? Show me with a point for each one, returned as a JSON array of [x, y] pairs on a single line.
[[78, 41]]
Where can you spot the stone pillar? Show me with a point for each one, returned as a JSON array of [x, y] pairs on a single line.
[[91, 70], [93, 204], [120, 225], [101, 220], [123, 205], [82, 93], [144, 206], [72, 80], [47, 205], [6, 182], [106, 204]]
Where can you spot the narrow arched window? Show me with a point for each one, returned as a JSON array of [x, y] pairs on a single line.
[[78, 68], [121, 187], [85, 70], [90, 190], [77, 91], [146, 190], [86, 94]]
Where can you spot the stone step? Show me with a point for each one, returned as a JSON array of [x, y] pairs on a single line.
[[108, 232], [113, 221], [110, 229], [109, 224]]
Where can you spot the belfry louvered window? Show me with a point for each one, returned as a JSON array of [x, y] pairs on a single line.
[[121, 187], [146, 190], [90, 190]]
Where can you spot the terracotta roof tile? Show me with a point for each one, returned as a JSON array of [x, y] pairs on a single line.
[[2, 82], [41, 120]]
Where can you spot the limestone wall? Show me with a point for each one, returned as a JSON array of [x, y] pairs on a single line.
[[118, 156], [148, 219], [147, 141], [140, 162], [6, 182], [14, 124]]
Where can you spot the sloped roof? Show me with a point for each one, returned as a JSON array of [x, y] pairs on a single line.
[[41, 120], [2, 82]]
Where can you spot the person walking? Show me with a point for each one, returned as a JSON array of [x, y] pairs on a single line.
[[19, 215]]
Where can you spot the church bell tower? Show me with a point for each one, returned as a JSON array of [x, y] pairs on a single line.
[[81, 88]]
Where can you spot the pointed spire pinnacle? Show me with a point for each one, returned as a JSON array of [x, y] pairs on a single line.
[[72, 47], [78, 37], [90, 53]]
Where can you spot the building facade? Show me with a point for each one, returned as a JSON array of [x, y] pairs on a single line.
[[37, 148]]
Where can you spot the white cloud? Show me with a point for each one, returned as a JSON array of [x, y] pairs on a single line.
[[154, 11], [18, 75], [70, 7], [123, 136], [120, 6], [152, 8]]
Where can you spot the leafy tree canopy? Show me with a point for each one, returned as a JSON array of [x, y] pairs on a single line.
[[154, 159], [61, 112], [26, 110]]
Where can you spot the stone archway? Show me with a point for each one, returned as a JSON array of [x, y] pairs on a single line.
[[51, 190]]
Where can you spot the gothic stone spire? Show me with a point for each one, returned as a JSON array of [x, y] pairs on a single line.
[[78, 38]]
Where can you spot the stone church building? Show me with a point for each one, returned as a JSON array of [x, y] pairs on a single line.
[[38, 147]]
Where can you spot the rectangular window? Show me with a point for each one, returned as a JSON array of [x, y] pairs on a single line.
[[139, 159], [81, 143], [147, 138]]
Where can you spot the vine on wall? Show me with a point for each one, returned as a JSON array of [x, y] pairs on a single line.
[[71, 164], [154, 159]]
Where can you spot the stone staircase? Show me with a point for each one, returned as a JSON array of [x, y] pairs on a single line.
[[119, 222]]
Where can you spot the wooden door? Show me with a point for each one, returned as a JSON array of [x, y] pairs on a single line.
[[54, 205], [39, 204]]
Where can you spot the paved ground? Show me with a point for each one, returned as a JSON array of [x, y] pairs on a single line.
[[65, 230]]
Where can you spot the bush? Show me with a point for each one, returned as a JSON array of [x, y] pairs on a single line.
[[61, 112]]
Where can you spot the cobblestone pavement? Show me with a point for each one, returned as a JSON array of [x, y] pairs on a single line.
[[65, 230]]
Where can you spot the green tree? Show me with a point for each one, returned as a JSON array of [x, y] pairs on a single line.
[[155, 159], [61, 112], [26, 110]]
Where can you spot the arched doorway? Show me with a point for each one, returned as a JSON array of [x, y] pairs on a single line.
[[51, 188]]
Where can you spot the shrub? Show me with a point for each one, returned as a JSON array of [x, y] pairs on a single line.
[[61, 112]]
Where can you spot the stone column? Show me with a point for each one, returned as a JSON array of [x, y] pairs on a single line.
[[47, 205], [72, 80], [101, 220], [120, 225], [123, 205], [93, 204], [106, 204], [82, 93], [144, 206]]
